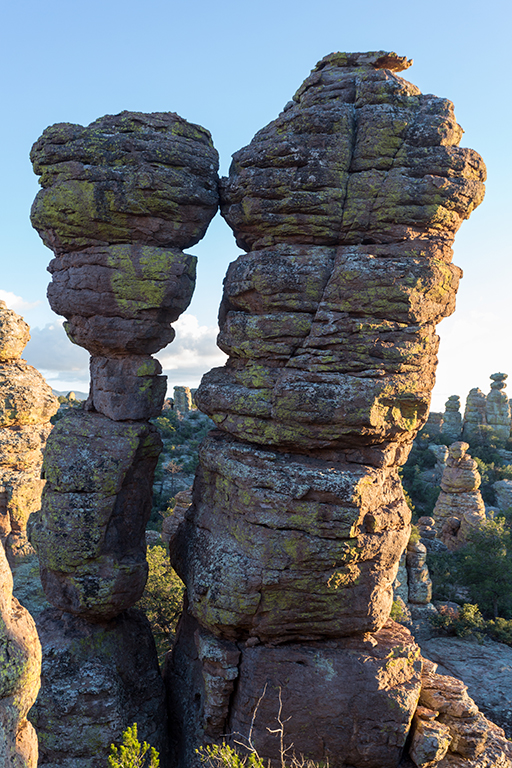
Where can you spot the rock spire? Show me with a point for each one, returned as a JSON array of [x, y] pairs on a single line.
[[120, 199], [346, 207]]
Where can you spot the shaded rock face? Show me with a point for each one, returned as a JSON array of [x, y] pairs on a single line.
[[26, 406], [95, 679], [459, 506], [121, 198], [346, 206], [20, 667]]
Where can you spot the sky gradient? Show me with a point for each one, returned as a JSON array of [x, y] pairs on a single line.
[[232, 67]]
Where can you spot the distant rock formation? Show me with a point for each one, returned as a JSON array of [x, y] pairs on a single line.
[[474, 414], [497, 407], [182, 399], [26, 406], [459, 507], [346, 206], [452, 419], [120, 199]]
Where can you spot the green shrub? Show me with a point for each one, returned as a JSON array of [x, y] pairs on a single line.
[[162, 601], [224, 756], [464, 622], [131, 753]]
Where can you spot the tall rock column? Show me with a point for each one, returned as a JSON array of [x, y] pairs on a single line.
[[474, 414], [26, 406], [452, 419], [497, 407], [346, 206], [121, 198]]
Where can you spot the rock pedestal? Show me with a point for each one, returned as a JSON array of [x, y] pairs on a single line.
[[459, 507], [346, 206], [497, 407], [121, 198], [26, 406]]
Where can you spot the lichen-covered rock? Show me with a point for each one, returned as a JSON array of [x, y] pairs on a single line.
[[25, 397], [121, 299], [89, 534], [290, 527], [452, 419], [362, 689], [430, 740], [97, 679], [127, 178], [497, 407], [127, 388], [459, 507], [20, 666]]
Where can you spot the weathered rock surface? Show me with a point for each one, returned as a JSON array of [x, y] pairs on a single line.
[[132, 177], [26, 406], [452, 419], [89, 534], [128, 387], [459, 507], [182, 399], [485, 669], [97, 679], [371, 680], [474, 742], [347, 205], [329, 320], [503, 489], [497, 407], [20, 666], [290, 527], [418, 577]]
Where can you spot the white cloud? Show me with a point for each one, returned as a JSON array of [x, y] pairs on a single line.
[[50, 350], [17, 303], [192, 353]]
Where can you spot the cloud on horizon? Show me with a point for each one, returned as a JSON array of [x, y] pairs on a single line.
[[17, 303], [66, 366]]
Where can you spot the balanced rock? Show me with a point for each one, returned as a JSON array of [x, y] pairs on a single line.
[[452, 420], [497, 407], [26, 406], [459, 507], [20, 666]]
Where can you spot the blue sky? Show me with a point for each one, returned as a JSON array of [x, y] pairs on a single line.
[[231, 67]]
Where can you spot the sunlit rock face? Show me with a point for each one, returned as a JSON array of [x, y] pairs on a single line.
[[26, 406], [120, 200], [346, 207]]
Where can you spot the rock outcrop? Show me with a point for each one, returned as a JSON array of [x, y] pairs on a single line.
[[497, 407], [459, 507], [121, 198], [20, 668], [346, 206], [503, 490], [182, 399], [26, 406], [452, 419]]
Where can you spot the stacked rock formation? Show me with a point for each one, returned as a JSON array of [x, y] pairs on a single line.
[[497, 407], [347, 205], [182, 399], [474, 414], [452, 419], [121, 198], [459, 506], [26, 406]]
